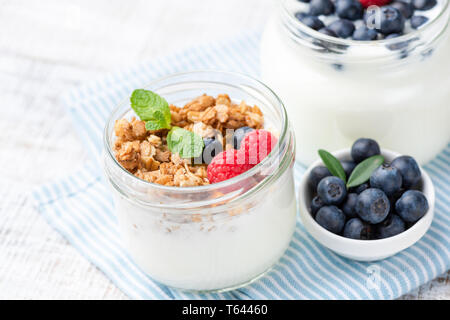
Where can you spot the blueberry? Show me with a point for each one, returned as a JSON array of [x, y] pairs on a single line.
[[321, 7], [411, 206], [357, 229], [397, 45], [348, 167], [239, 134], [409, 224], [417, 21], [349, 205], [386, 178], [409, 170], [211, 148], [390, 227], [405, 8], [317, 174], [372, 205], [337, 66], [360, 188], [316, 204], [423, 4], [392, 36], [332, 190], [306, 1], [349, 9], [331, 218], [392, 21], [364, 148], [313, 22], [393, 199], [343, 28], [365, 34], [328, 32], [300, 15]]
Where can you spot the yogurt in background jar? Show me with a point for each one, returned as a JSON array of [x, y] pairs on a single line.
[[396, 91]]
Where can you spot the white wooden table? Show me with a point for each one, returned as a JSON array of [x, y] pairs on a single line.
[[47, 47]]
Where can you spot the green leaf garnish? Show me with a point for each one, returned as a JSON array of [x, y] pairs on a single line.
[[186, 143], [151, 108], [363, 170], [333, 164]]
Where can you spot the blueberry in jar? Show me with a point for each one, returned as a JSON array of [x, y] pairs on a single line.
[[316, 204], [332, 190], [364, 148], [211, 147], [405, 8], [321, 7], [372, 205], [312, 22], [343, 28], [398, 45], [355, 228], [300, 15], [417, 21], [423, 4], [409, 170], [392, 21], [317, 174], [390, 227], [386, 178], [411, 206], [349, 205], [328, 32], [348, 167], [365, 34], [337, 66], [349, 9], [239, 135], [331, 218]]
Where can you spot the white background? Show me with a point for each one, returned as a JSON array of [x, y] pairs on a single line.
[[48, 47]]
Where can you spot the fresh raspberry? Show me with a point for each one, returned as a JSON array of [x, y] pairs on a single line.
[[257, 145], [379, 3], [227, 165]]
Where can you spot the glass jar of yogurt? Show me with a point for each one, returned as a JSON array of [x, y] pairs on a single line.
[[396, 91], [218, 236]]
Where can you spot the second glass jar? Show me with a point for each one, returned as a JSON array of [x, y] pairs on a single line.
[[396, 91]]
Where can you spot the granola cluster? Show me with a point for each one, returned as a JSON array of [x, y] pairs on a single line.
[[146, 154]]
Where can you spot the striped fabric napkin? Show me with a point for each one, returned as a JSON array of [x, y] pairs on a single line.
[[81, 209]]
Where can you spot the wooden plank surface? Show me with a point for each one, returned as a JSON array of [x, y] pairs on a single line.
[[48, 47]]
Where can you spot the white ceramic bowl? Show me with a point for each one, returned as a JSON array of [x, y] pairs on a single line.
[[365, 250]]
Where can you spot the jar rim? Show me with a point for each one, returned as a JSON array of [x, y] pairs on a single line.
[[295, 23], [284, 134]]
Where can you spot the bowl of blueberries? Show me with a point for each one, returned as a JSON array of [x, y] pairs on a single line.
[[366, 203]]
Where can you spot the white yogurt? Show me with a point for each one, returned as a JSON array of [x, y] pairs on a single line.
[[224, 252], [369, 92]]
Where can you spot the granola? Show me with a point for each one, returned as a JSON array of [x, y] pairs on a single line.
[[145, 153]]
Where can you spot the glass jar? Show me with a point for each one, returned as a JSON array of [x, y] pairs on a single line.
[[396, 91], [218, 236]]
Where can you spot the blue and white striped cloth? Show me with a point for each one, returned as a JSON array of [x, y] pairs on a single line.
[[80, 206]]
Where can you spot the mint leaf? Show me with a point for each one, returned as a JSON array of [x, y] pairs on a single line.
[[186, 143], [363, 170], [333, 164], [151, 108]]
